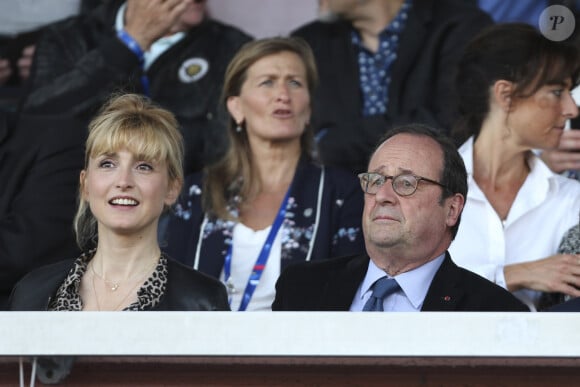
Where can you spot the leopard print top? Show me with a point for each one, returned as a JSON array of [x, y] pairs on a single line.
[[67, 297]]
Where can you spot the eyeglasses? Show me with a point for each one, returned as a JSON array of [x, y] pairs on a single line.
[[403, 185]]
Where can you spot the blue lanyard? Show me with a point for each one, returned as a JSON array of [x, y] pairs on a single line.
[[132, 45], [262, 257]]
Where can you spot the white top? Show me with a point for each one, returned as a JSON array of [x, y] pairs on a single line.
[[413, 284], [545, 207], [247, 245]]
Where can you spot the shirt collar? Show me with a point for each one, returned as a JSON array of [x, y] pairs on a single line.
[[543, 178], [414, 283], [159, 44]]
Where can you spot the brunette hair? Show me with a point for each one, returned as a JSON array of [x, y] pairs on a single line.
[[515, 52]]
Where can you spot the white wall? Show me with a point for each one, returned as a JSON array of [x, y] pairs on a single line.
[[264, 18], [442, 334]]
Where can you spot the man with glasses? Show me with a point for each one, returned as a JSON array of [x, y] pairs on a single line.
[[415, 189]]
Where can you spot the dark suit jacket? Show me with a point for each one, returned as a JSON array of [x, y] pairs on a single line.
[[422, 78], [40, 161], [331, 285], [572, 305]]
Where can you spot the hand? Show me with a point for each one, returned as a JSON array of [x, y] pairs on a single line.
[[5, 71], [567, 155], [558, 273], [148, 20], [25, 62]]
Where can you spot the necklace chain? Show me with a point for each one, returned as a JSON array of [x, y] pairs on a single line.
[[120, 302], [131, 291], [114, 285], [111, 284]]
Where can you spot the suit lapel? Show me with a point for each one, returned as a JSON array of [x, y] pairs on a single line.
[[341, 286], [444, 294]]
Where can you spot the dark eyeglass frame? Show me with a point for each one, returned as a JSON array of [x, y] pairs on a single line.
[[365, 179]]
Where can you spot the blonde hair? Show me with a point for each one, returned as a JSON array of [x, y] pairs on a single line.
[[135, 123], [232, 176]]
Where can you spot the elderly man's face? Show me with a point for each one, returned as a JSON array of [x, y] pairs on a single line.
[[193, 15], [415, 226]]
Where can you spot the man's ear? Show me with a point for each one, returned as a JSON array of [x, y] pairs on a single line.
[[455, 205], [502, 92]]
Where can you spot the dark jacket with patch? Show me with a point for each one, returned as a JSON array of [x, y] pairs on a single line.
[[79, 62]]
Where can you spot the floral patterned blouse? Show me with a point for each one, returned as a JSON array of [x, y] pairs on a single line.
[[322, 220]]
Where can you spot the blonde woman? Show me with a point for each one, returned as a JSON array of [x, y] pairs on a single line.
[[133, 172]]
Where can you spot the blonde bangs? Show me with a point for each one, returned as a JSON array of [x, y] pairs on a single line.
[[148, 137], [133, 123], [146, 143]]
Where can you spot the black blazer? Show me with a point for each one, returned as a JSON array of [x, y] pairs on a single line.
[[40, 161], [572, 305], [331, 285], [187, 289]]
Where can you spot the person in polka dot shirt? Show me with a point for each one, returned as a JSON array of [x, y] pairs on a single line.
[[384, 63]]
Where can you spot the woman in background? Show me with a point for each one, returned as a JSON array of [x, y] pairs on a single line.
[[514, 88], [268, 202]]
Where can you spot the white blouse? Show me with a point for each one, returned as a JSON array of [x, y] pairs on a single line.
[[545, 207], [247, 245]]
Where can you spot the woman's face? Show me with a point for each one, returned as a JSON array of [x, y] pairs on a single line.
[[539, 119], [274, 102], [125, 193]]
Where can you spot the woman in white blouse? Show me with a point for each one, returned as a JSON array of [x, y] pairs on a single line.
[[515, 97]]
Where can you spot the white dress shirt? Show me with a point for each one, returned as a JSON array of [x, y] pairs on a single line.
[[545, 207], [413, 287], [158, 47]]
